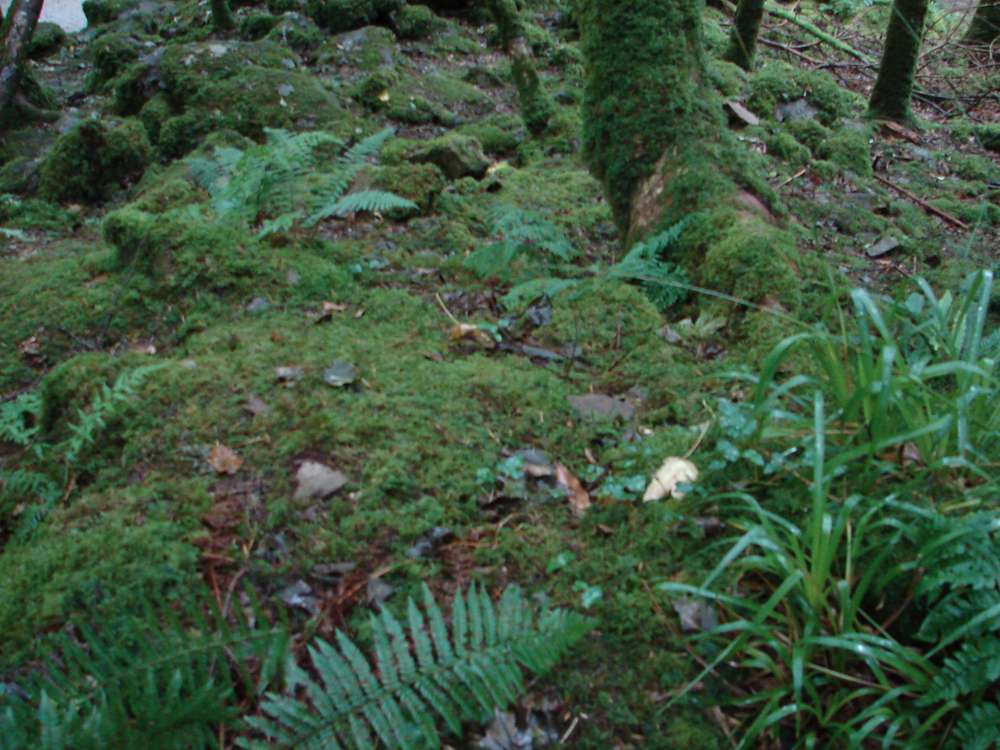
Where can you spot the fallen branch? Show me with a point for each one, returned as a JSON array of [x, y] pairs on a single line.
[[924, 204], [780, 12]]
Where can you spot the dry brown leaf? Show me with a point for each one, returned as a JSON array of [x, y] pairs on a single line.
[[96, 281], [579, 498], [674, 471], [465, 331], [333, 307], [224, 460]]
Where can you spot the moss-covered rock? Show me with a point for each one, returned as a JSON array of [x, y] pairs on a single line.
[[137, 84], [850, 149], [346, 15], [416, 22], [112, 53], [779, 83], [783, 146], [182, 254], [254, 26], [92, 160], [188, 68], [47, 39], [105, 11], [455, 155], [420, 183], [368, 49], [154, 113], [297, 32]]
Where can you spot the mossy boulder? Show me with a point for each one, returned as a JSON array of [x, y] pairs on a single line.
[[437, 96], [346, 15], [154, 113], [297, 32], [188, 68], [138, 83], [185, 254], [254, 26], [94, 159], [105, 11], [455, 155], [420, 183], [112, 53], [780, 83], [416, 22], [850, 149], [368, 49], [47, 39]]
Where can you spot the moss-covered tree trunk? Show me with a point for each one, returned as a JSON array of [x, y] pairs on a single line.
[[537, 107], [222, 16], [17, 30], [655, 137], [985, 26], [894, 86], [742, 47]]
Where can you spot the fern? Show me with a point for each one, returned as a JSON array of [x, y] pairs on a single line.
[[157, 680], [521, 231], [19, 421], [979, 727], [288, 181], [420, 671]]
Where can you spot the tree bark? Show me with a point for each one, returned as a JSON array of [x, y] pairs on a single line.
[[655, 137], [742, 47], [537, 107], [890, 98], [222, 16], [985, 26], [18, 27]]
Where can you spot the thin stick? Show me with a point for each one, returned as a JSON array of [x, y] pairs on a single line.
[[445, 308], [793, 177], [924, 204]]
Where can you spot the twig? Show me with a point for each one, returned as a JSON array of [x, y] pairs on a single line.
[[444, 307], [568, 732], [780, 12], [114, 304], [794, 176], [924, 204], [790, 50]]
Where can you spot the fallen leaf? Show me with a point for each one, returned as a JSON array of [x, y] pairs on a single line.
[[434, 356], [696, 615], [503, 734], [378, 592], [96, 281], [289, 373], [256, 405], [317, 480], [674, 471], [30, 345], [579, 498], [339, 374], [224, 460], [602, 407], [333, 307]]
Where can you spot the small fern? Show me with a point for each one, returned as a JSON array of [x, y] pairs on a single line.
[[520, 231], [290, 180], [420, 671], [19, 424], [664, 283]]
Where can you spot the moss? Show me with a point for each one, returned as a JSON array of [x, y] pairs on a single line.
[[498, 134], [105, 11], [779, 82], [566, 56], [112, 53], [373, 91], [455, 155], [416, 22], [368, 49], [825, 171], [256, 26], [277, 7], [783, 146], [133, 87], [975, 214], [345, 15], [184, 254], [92, 160], [47, 39], [190, 68], [850, 149], [729, 80], [297, 32], [807, 132], [974, 168], [988, 135], [154, 113], [420, 183]]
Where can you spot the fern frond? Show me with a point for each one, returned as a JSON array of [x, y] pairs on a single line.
[[979, 727], [366, 147], [364, 200], [456, 675], [974, 666]]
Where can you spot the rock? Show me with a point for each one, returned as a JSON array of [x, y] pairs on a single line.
[[455, 155]]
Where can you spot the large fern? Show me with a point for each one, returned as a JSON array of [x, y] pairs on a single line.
[[291, 180], [158, 680], [421, 671]]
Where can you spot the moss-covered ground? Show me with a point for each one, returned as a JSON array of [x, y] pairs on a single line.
[[111, 260]]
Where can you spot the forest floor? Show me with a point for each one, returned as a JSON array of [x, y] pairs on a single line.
[[345, 412]]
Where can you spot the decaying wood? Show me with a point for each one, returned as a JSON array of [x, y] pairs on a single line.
[[924, 204]]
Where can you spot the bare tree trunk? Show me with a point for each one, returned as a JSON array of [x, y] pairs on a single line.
[[537, 107], [894, 86], [742, 47], [985, 26], [18, 27]]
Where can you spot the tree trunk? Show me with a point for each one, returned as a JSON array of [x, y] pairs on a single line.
[[742, 47], [222, 17], [537, 107], [655, 137], [894, 86], [985, 26], [18, 27]]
